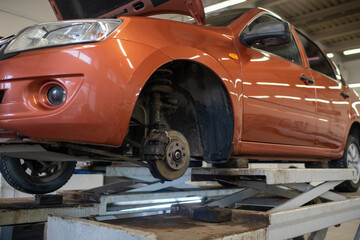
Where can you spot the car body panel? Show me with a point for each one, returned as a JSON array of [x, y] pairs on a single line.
[[275, 103], [104, 90], [274, 99], [188, 42], [93, 122], [332, 109], [80, 9]]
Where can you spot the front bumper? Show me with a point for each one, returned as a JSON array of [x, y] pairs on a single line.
[[99, 100]]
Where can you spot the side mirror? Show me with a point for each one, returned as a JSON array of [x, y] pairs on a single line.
[[267, 33]]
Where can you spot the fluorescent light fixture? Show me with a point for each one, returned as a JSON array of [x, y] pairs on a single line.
[[352, 51], [222, 5], [157, 207], [354, 85], [330, 55]]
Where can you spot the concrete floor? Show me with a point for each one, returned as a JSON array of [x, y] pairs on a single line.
[[345, 232]]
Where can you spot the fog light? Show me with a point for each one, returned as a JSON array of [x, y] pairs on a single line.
[[56, 95]]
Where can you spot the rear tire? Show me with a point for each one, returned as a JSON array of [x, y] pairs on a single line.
[[350, 159], [35, 177]]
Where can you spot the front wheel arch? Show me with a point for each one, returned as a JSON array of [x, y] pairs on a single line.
[[204, 113]]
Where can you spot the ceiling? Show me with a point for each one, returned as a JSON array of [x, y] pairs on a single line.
[[334, 24]]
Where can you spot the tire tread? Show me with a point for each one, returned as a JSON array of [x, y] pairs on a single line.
[[11, 176]]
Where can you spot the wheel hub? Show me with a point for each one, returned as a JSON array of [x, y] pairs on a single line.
[[353, 160], [175, 156], [167, 154], [42, 170]]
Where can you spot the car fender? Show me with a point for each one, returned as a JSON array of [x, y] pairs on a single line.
[[232, 83], [162, 56], [139, 62]]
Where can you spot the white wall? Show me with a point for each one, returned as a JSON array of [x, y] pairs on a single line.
[[353, 71], [18, 14]]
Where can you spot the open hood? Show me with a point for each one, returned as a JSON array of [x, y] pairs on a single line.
[[80, 9]]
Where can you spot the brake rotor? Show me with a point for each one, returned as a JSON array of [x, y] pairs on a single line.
[[167, 154]]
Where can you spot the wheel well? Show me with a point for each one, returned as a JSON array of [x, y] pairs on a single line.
[[355, 130], [198, 106]]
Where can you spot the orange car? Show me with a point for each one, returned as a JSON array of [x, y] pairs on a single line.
[[160, 93]]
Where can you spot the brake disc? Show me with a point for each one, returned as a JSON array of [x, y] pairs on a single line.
[[167, 153]]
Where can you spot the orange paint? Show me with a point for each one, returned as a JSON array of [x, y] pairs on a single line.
[[275, 113]]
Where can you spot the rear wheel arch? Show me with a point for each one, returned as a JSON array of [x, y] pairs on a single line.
[[350, 159], [355, 130]]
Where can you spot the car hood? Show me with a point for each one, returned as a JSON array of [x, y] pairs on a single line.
[[80, 9]]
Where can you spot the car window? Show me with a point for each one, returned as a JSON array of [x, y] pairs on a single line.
[[288, 51], [224, 18], [316, 58]]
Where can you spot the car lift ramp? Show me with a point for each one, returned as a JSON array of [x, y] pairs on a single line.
[[290, 218], [137, 188], [284, 203]]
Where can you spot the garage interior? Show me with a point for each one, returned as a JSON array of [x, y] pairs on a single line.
[[332, 24]]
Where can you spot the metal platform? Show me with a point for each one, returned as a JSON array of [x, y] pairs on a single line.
[[136, 189], [294, 204], [266, 204]]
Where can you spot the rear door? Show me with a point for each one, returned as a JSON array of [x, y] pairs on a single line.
[[276, 101], [333, 107]]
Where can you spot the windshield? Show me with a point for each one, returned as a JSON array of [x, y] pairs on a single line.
[[224, 18]]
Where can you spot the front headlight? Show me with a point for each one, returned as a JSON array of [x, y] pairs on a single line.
[[62, 33]]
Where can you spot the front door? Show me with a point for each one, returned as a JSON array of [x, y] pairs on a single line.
[[278, 106]]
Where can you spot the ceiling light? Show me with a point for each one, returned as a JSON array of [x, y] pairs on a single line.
[[222, 5], [352, 51], [354, 85], [330, 55]]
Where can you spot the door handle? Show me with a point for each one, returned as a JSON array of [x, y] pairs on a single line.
[[345, 94], [307, 80]]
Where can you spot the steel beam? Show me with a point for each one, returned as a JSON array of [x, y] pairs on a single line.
[[262, 186], [36, 152], [277, 176], [329, 18], [314, 16], [345, 45], [306, 196], [357, 235], [231, 200], [270, 3], [337, 31], [296, 222], [306, 187]]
